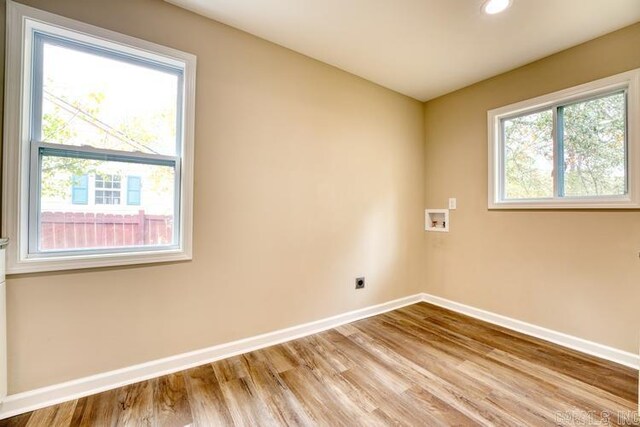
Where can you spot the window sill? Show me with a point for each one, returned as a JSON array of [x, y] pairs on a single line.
[[76, 262], [564, 204]]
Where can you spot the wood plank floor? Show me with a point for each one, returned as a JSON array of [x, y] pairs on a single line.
[[419, 365]]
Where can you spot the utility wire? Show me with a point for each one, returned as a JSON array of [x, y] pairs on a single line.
[[94, 121]]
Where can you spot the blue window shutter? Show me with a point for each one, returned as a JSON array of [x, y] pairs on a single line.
[[80, 190], [133, 190]]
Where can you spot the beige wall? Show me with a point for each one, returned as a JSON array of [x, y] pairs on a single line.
[[305, 178], [573, 271]]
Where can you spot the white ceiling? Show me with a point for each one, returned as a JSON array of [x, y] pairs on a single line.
[[422, 48]]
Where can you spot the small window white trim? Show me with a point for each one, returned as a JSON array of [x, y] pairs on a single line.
[[15, 194], [629, 81]]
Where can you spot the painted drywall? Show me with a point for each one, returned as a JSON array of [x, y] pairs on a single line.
[[576, 272], [305, 178]]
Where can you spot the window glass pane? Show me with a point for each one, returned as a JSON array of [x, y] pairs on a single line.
[[104, 221], [528, 156], [105, 102], [594, 147]]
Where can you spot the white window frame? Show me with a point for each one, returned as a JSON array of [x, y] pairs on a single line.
[[21, 22], [630, 83]]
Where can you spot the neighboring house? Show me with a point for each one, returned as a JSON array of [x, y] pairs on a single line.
[[108, 193]]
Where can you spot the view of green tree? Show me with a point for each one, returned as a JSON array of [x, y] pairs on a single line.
[[529, 156], [57, 172], [161, 178], [593, 147]]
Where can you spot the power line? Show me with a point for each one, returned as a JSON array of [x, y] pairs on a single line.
[[94, 121]]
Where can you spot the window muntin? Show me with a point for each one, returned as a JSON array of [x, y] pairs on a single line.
[[576, 148]]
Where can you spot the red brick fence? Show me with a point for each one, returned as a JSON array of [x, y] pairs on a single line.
[[69, 230]]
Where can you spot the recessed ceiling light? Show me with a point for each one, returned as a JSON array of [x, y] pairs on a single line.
[[491, 7]]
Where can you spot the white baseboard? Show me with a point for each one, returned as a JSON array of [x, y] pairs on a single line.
[[584, 346], [39, 398]]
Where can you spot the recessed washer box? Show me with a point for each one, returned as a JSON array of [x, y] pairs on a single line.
[[436, 220]]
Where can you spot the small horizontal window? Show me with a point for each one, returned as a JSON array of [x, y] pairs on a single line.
[[570, 149]]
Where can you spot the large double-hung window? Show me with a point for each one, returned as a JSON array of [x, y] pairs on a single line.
[[98, 146]]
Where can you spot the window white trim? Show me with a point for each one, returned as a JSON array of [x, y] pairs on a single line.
[[629, 81], [15, 192]]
